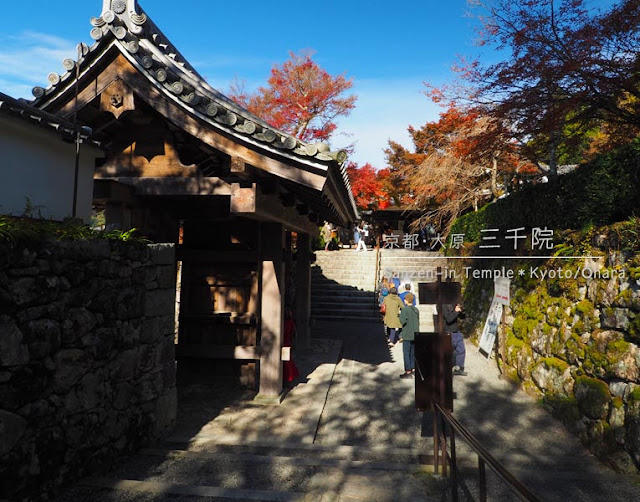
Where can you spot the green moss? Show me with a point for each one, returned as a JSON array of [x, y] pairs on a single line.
[[634, 328], [634, 395], [563, 408], [593, 397], [575, 346], [602, 363], [624, 298], [546, 329], [554, 363], [617, 403], [585, 307], [578, 328], [634, 272]]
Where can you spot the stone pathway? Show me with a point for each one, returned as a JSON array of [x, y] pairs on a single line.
[[530, 443], [349, 432]]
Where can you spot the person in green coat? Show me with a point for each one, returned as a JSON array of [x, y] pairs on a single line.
[[392, 305], [410, 319]]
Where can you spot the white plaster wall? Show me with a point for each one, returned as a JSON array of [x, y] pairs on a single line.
[[38, 164]]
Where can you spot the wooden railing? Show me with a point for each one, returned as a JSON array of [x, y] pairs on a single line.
[[443, 416]]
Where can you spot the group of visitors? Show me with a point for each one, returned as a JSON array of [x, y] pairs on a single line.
[[402, 321], [363, 235]]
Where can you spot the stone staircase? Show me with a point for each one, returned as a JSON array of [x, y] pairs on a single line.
[[343, 282], [343, 285], [413, 267], [217, 469]]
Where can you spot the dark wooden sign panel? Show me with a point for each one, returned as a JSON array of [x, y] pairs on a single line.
[[428, 292], [434, 371]]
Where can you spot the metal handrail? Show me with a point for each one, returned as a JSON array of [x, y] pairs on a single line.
[[484, 458]]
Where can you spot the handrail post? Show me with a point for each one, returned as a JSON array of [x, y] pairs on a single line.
[[454, 468], [444, 449], [482, 478], [436, 436]]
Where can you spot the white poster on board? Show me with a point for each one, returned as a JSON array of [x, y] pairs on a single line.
[[490, 330], [501, 291]]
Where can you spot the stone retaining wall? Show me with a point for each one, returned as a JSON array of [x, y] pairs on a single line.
[[573, 340], [87, 366]]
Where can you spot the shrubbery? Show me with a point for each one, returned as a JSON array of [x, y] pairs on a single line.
[[20, 230], [601, 192]]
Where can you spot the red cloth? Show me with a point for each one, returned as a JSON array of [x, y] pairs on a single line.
[[289, 369]]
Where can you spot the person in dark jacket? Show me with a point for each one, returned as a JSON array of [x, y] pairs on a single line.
[[452, 313], [410, 319]]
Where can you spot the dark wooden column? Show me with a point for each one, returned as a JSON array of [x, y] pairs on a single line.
[[272, 297], [303, 291]]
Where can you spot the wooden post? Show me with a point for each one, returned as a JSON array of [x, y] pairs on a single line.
[[271, 314], [303, 291], [502, 341]]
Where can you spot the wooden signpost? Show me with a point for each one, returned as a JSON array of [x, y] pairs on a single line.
[[434, 351]]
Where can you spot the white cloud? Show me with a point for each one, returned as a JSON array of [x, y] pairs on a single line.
[[384, 110], [26, 60]]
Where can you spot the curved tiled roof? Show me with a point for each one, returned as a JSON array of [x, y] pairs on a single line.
[[24, 111], [125, 25], [130, 28]]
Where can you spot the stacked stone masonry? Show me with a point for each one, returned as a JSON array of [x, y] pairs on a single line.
[[575, 342], [87, 366]]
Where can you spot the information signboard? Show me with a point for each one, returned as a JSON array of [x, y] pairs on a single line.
[[490, 330], [501, 294]]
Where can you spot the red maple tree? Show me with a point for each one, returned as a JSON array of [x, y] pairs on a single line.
[[459, 161], [570, 70], [301, 98], [369, 186]]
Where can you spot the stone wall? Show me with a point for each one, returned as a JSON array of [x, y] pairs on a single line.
[[87, 370], [572, 338]]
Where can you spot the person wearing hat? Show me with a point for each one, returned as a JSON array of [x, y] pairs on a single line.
[[392, 305], [410, 320]]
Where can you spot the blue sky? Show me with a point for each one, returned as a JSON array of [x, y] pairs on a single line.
[[388, 48]]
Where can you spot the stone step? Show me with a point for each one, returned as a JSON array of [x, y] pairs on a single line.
[[335, 287], [357, 300], [340, 290], [355, 275], [250, 472], [342, 318], [344, 283], [345, 311], [346, 270], [330, 289], [225, 444]]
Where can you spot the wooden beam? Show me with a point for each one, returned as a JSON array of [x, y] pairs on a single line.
[[117, 98], [292, 170], [243, 200], [238, 165], [302, 209], [93, 88], [176, 186]]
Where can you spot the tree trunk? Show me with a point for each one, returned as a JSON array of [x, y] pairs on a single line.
[[494, 177]]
